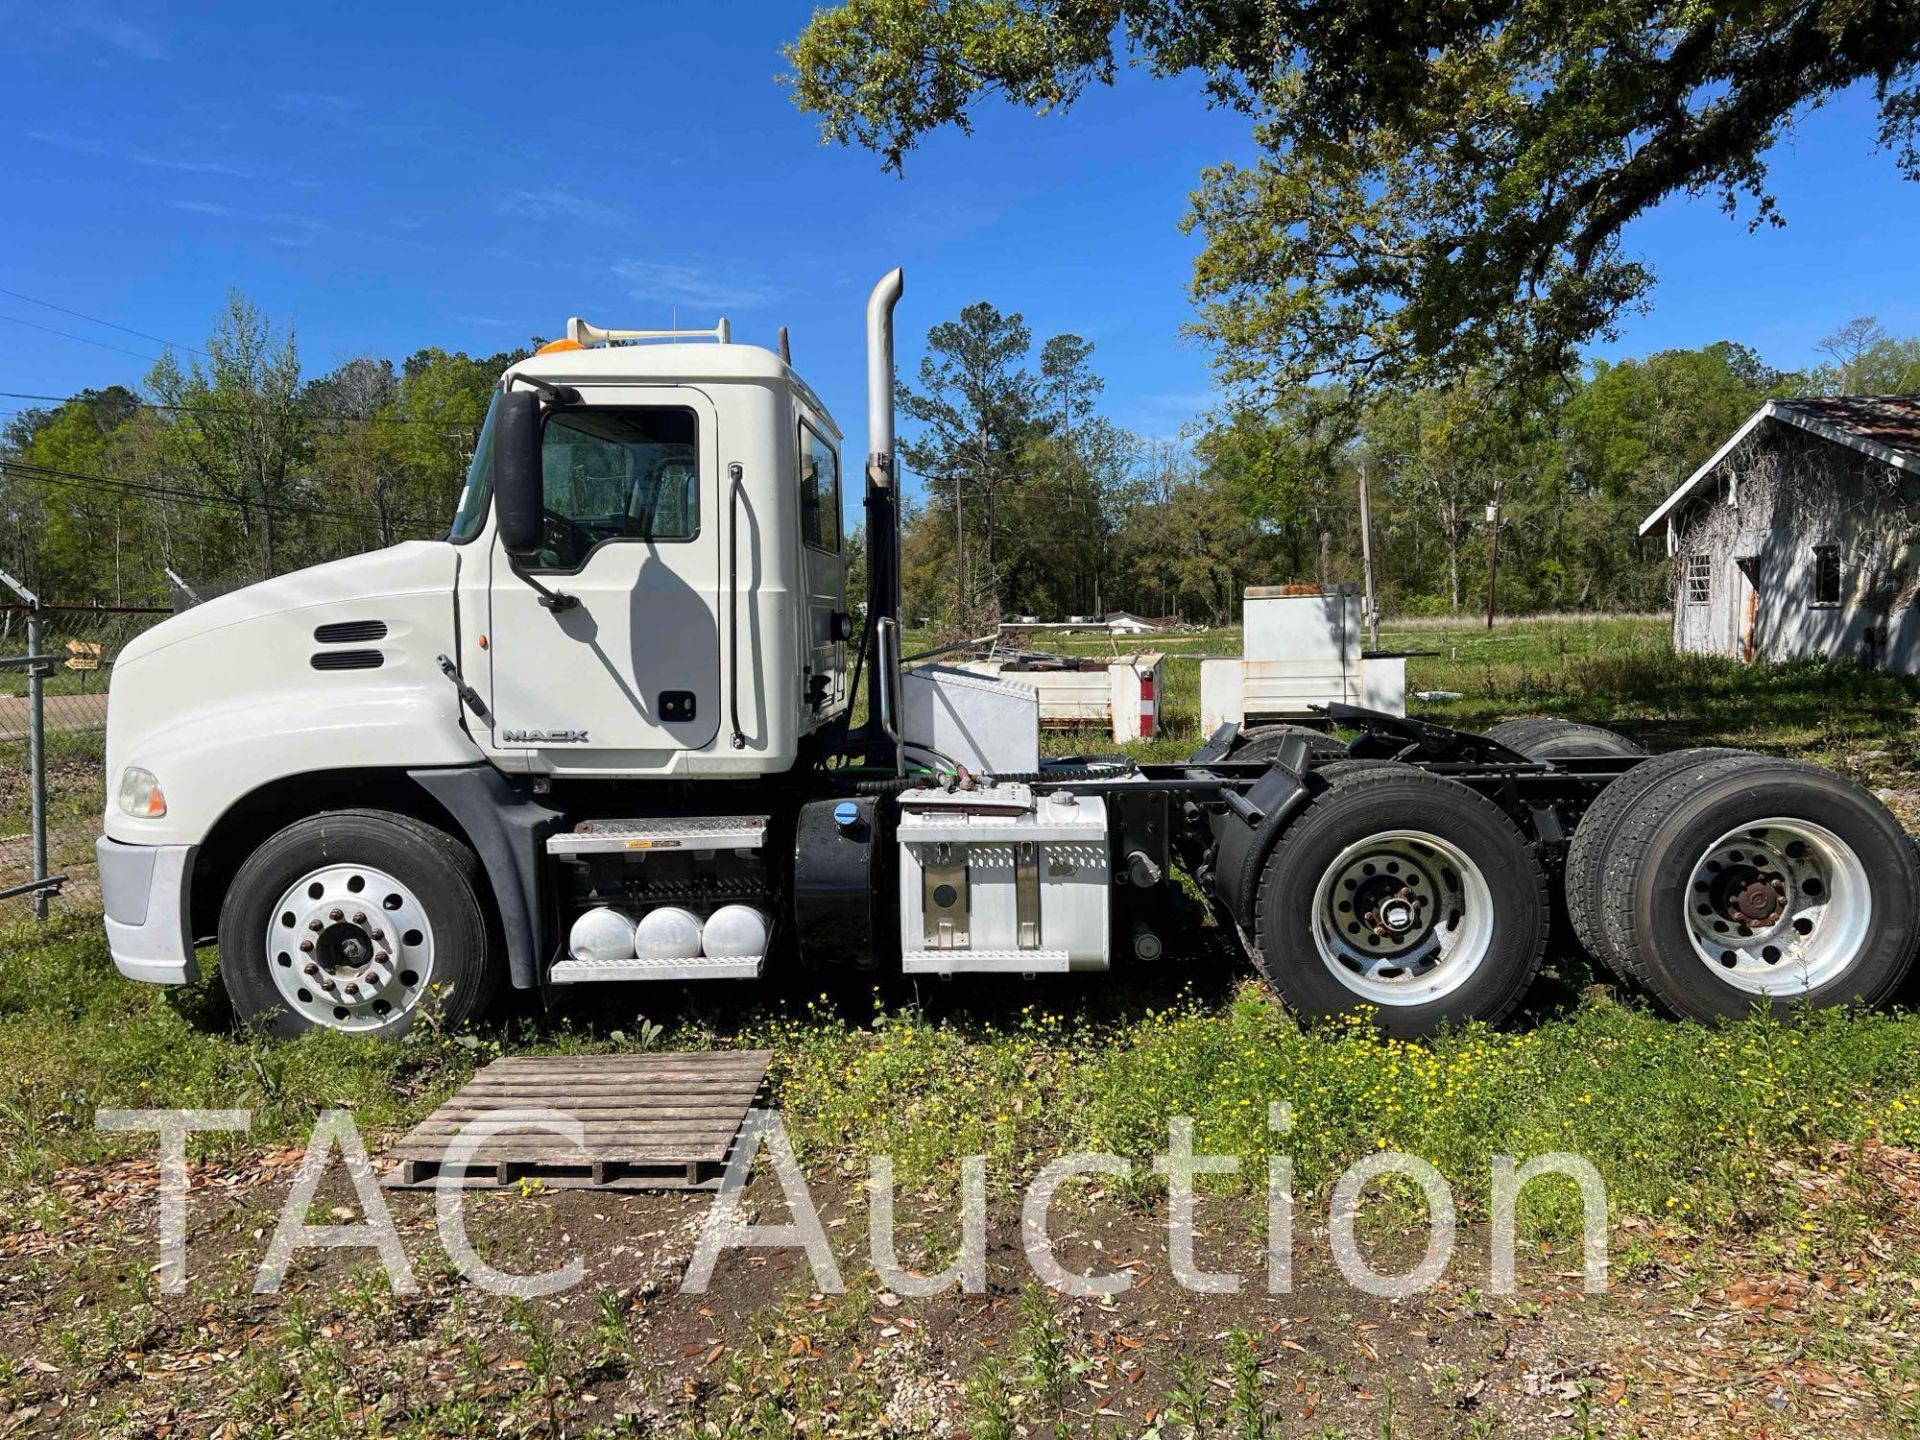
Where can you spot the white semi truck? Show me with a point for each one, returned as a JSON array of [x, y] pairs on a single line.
[[601, 732]]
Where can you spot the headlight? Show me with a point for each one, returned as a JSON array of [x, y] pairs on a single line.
[[140, 794]]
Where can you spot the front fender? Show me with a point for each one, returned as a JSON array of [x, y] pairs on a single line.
[[207, 761]]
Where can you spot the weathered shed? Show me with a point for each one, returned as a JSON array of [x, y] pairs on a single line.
[[1800, 536]]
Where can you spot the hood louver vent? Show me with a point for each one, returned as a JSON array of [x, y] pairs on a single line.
[[349, 660], [344, 632]]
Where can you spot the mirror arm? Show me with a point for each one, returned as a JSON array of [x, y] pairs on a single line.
[[555, 394], [549, 599]]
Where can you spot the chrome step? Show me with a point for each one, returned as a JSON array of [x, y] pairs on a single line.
[[987, 962], [706, 967], [689, 832]]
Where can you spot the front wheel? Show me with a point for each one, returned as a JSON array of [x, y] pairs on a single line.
[[1404, 892], [356, 920]]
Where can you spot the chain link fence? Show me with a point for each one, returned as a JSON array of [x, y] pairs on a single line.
[[55, 664]]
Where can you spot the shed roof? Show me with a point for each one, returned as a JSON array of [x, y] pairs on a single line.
[[1887, 427]]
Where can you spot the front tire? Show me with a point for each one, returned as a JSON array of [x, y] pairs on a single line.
[[1406, 892], [1753, 881], [356, 920]]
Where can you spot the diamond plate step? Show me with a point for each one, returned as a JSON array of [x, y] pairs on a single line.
[[690, 832], [707, 967], [993, 962]]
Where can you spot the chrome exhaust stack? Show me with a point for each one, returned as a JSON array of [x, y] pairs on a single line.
[[883, 518]]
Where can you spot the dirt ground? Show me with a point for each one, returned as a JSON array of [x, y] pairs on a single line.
[[1688, 1341]]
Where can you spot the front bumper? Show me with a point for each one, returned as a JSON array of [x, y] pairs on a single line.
[[144, 891]]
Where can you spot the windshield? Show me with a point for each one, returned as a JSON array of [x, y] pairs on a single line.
[[471, 513]]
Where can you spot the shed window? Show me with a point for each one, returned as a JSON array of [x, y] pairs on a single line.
[[1699, 579], [1826, 574]]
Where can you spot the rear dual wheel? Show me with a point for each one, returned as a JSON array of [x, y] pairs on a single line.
[[1263, 742], [1737, 881], [1547, 737], [1405, 893]]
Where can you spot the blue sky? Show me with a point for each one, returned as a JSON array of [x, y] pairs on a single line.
[[388, 180]]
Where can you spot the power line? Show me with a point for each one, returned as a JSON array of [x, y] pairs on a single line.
[[444, 427], [78, 480], [69, 335], [96, 320]]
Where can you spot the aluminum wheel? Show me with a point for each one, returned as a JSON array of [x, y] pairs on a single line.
[[1402, 917], [1778, 907], [350, 948]]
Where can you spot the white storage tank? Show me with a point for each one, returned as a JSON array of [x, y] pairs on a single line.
[[1003, 879]]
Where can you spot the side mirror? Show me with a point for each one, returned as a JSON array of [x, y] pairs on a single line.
[[518, 486]]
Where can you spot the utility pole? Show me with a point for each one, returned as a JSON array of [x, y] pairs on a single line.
[[1493, 553], [1366, 561]]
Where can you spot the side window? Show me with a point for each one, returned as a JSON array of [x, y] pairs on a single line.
[[1699, 579], [819, 491], [1826, 574], [626, 474]]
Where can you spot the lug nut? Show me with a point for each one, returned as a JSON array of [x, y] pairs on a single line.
[[379, 934], [353, 990], [336, 913], [306, 947], [359, 917], [313, 925], [311, 969]]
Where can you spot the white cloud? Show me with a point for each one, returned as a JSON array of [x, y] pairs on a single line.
[[68, 142], [686, 285], [561, 202], [188, 164], [203, 207], [122, 34], [314, 105]]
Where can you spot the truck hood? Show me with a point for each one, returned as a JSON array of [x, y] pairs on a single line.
[[340, 590], [256, 686]]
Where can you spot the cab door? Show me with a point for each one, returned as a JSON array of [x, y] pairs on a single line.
[[823, 566], [621, 653]]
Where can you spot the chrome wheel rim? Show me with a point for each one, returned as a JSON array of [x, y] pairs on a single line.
[[350, 947], [1778, 907], [1403, 917]]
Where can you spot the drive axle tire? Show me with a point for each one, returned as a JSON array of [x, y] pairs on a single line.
[[1547, 737], [356, 920], [1759, 881], [1263, 742], [1593, 843], [1405, 892]]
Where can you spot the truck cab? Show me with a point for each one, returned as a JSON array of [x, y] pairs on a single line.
[[684, 611], [672, 628]]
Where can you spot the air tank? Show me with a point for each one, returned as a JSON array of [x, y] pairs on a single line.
[[603, 933], [736, 932], [667, 933]]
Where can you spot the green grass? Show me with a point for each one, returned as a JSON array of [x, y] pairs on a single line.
[[1684, 1122]]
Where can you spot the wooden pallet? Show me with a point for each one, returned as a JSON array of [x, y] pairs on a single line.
[[652, 1122]]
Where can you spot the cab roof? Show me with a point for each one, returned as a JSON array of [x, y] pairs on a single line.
[[693, 362]]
